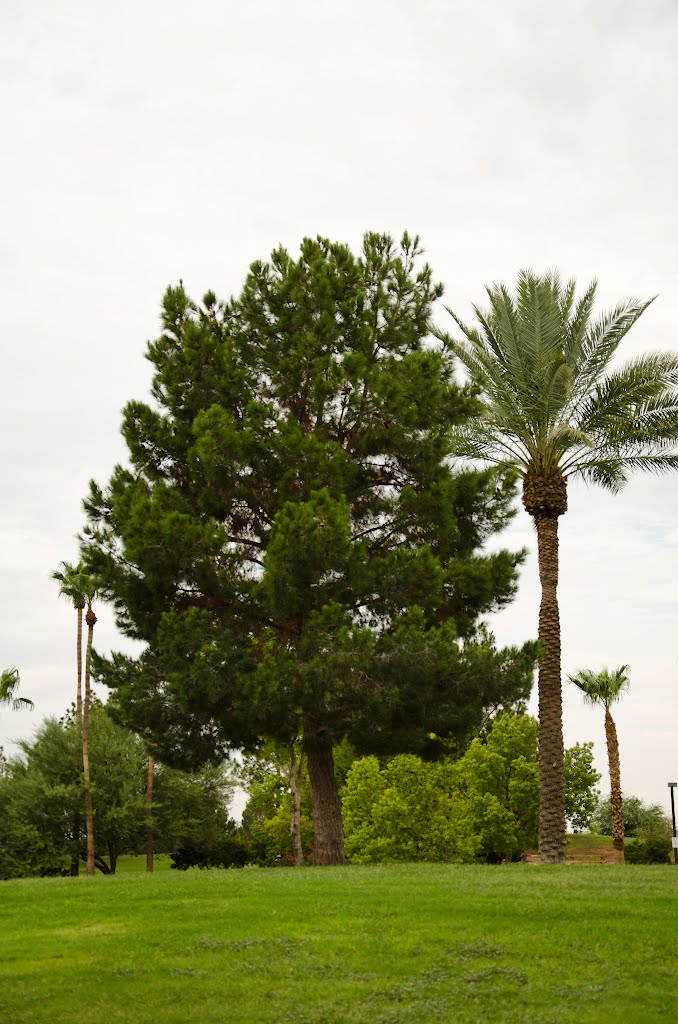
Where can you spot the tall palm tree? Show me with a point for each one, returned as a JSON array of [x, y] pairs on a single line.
[[73, 581], [90, 620], [553, 408], [603, 689], [77, 585], [9, 684]]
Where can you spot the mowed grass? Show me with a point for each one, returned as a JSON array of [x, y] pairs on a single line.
[[379, 945]]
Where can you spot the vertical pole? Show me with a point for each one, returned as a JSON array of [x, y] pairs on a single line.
[[674, 842], [149, 814]]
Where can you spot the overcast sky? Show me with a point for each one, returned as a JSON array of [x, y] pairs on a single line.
[[147, 142]]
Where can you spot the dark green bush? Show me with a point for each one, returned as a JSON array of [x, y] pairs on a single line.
[[652, 850], [230, 852]]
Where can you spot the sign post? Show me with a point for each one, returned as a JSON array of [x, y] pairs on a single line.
[[674, 841]]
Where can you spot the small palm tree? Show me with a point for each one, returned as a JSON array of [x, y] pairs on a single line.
[[73, 581], [551, 409], [78, 586], [90, 619], [603, 689], [9, 683]]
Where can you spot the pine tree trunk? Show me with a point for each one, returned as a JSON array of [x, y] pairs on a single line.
[[149, 813], [616, 802], [89, 814], [295, 790], [328, 847], [552, 838]]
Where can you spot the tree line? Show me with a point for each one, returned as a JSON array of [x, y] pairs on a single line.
[[300, 541], [42, 798]]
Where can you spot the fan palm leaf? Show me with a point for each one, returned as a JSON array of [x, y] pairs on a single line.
[[9, 683]]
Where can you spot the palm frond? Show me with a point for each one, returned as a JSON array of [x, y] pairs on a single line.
[[75, 583], [578, 324], [541, 365], [600, 344], [603, 687], [9, 682], [475, 439]]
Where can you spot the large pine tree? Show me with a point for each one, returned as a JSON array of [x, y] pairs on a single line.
[[289, 540]]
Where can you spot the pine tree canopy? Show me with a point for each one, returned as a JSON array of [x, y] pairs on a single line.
[[289, 540]]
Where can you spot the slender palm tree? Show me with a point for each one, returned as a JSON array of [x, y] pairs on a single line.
[[73, 581], [9, 684], [551, 408], [603, 689], [90, 620]]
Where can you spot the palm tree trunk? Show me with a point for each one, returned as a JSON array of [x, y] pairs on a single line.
[[616, 802], [78, 706], [552, 839], [149, 815], [295, 789], [89, 814]]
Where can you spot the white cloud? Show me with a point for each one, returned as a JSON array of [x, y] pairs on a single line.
[[143, 143]]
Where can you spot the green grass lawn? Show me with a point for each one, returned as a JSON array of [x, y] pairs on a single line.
[[379, 945]]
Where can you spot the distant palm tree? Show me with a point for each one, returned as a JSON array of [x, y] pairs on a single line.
[[9, 683], [603, 689], [90, 619], [552, 408], [78, 586], [73, 581]]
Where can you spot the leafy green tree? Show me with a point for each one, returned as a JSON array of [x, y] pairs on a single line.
[[24, 848], [651, 849], [483, 806], [553, 408], [277, 819], [581, 780], [9, 684], [41, 795], [290, 541], [51, 771], [603, 689], [191, 819], [640, 818], [406, 811]]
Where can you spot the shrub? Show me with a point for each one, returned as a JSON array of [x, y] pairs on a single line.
[[652, 850]]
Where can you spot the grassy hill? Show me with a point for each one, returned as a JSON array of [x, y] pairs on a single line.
[[384, 945]]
